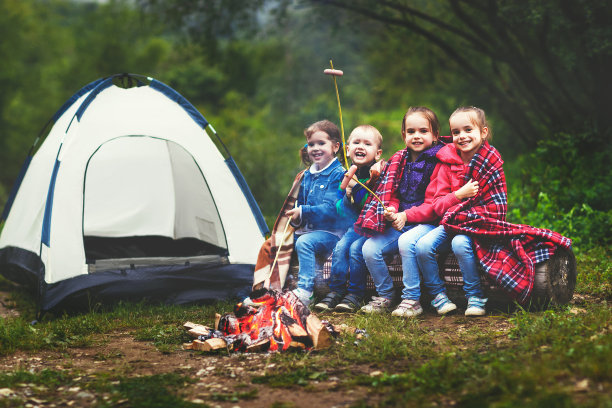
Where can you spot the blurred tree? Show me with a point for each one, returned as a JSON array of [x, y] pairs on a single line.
[[545, 64]]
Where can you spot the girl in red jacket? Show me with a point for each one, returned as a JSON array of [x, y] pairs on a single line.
[[470, 131]]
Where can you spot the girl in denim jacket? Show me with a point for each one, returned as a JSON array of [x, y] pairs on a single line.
[[318, 228]]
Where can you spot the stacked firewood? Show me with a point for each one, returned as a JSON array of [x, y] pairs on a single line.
[[276, 321]]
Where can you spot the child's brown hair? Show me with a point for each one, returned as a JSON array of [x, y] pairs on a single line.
[[324, 126], [430, 115], [477, 117]]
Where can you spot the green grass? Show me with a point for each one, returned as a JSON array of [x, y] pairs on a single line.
[[160, 390], [595, 272], [558, 357]]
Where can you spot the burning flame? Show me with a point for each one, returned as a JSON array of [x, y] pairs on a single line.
[[277, 314]]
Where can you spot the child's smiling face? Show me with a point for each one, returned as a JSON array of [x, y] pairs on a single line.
[[467, 137], [418, 135], [363, 148], [321, 149]]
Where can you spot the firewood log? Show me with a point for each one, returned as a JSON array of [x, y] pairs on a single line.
[[318, 333], [196, 330], [297, 345], [259, 346], [217, 319], [296, 330], [208, 345]]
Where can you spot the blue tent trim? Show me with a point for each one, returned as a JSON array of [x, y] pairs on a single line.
[[26, 163], [102, 85], [180, 99], [75, 97], [46, 227]]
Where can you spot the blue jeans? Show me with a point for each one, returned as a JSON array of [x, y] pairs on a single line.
[[410, 266], [375, 250], [348, 257], [439, 241], [309, 247]]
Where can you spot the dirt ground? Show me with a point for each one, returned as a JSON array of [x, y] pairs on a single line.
[[120, 354]]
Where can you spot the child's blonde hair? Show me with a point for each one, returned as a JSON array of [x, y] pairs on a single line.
[[430, 115], [477, 118], [325, 126], [367, 129]]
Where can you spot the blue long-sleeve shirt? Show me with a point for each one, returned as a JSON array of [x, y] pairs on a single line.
[[317, 200]]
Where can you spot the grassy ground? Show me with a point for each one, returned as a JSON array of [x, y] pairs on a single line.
[[131, 356]]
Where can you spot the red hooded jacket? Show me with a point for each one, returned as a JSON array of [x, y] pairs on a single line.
[[448, 177]]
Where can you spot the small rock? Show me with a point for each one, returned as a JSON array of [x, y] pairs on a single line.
[[84, 395], [582, 386], [375, 373]]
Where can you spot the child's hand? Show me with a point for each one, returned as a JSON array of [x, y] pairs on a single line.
[[294, 214], [469, 190], [390, 213], [375, 169], [400, 221]]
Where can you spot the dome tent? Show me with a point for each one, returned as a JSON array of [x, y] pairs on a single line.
[[128, 197]]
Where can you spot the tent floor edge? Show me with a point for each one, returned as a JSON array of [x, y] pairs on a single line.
[[170, 284]]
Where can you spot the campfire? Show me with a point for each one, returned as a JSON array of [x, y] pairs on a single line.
[[278, 321]]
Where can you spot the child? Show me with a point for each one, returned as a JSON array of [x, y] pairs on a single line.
[[317, 225], [469, 131], [364, 149], [478, 209], [402, 186]]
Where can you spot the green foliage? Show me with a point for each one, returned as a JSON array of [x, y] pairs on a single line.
[[595, 272], [564, 185]]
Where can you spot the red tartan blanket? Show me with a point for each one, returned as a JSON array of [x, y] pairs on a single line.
[[507, 252], [371, 220]]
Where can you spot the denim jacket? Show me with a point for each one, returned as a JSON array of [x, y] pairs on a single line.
[[317, 199]]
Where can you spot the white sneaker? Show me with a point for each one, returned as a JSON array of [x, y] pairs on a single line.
[[305, 296], [476, 306], [377, 305], [408, 308], [443, 304]]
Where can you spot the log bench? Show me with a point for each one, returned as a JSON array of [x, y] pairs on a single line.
[[555, 281]]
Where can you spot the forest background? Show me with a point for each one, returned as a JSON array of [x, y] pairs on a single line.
[[254, 69]]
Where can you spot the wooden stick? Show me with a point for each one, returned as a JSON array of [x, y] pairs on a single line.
[[344, 142], [340, 114]]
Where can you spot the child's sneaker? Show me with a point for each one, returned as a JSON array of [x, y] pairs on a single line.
[[408, 308], [329, 302], [443, 304], [350, 304], [305, 296], [377, 305], [475, 306]]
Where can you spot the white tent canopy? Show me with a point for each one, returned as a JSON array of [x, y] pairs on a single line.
[[126, 163]]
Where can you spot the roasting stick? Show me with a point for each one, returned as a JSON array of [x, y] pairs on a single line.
[[334, 73], [280, 246], [281, 243]]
